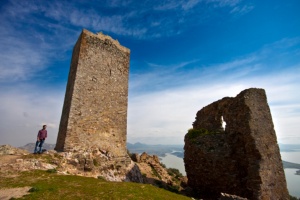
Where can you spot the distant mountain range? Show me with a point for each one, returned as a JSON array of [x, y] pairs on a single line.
[[177, 150], [30, 146], [290, 165], [159, 149], [289, 147]]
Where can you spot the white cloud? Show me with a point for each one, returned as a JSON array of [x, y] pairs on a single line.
[[169, 111], [24, 109], [168, 100]]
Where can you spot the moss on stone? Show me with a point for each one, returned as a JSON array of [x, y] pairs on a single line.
[[194, 133]]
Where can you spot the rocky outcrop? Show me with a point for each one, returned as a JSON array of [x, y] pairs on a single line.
[[90, 164], [242, 158], [17, 160], [10, 150], [155, 173]]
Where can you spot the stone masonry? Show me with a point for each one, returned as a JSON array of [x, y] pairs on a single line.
[[243, 159], [94, 115]]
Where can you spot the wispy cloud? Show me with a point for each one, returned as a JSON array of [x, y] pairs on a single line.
[[242, 9], [164, 99], [224, 3], [170, 111], [150, 18]]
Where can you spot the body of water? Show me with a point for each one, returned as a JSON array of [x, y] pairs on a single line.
[[172, 161], [293, 180]]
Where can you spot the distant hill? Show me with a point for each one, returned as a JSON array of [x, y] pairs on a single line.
[[138, 147], [159, 149], [177, 150], [290, 165], [289, 147], [30, 146]]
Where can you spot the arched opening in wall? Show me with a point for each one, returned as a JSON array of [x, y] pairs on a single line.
[[223, 123]]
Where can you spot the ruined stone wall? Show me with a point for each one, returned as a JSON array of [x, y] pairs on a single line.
[[95, 108], [243, 159]]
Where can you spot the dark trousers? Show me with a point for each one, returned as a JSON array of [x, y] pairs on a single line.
[[40, 145]]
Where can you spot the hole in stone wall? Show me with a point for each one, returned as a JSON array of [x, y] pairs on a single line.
[[223, 123]]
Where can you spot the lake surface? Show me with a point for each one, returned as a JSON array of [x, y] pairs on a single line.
[[293, 180], [172, 161]]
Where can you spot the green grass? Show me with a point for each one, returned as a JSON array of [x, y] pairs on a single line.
[[46, 185], [194, 133]]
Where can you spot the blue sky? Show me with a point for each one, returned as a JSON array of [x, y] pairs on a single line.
[[184, 56]]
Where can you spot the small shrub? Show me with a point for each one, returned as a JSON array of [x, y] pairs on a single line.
[[101, 178], [52, 170], [174, 188], [155, 173], [158, 183], [33, 189], [194, 133], [174, 172]]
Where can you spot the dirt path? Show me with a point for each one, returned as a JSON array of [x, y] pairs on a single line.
[[8, 193]]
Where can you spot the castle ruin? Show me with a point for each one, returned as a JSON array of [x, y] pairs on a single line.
[[241, 158], [94, 115]]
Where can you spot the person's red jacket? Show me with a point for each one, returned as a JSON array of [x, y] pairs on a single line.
[[42, 134]]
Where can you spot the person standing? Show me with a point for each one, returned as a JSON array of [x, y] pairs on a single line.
[[42, 135]]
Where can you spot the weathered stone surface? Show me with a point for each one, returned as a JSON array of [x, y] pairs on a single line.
[[75, 163], [135, 157], [94, 115], [9, 150], [244, 158], [155, 173]]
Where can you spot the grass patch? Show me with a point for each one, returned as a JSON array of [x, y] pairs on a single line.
[[54, 186], [194, 133], [45, 157]]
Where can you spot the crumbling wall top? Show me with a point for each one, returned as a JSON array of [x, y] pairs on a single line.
[[104, 37]]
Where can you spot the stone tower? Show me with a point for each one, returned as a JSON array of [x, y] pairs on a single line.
[[94, 114], [241, 159]]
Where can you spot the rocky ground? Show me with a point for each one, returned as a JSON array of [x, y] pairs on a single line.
[[156, 173], [14, 160]]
